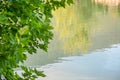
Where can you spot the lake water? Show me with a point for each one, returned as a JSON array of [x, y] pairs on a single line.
[[86, 43]]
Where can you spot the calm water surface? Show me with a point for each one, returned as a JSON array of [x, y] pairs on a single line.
[[86, 44]]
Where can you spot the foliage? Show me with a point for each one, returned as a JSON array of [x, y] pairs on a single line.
[[24, 27]]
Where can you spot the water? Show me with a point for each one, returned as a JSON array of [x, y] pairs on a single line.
[[86, 44], [95, 66]]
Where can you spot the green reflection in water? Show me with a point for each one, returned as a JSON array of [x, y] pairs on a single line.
[[76, 24], [75, 32]]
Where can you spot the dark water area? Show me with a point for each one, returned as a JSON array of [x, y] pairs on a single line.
[[86, 43]]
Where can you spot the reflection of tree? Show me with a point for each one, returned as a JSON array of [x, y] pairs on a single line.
[[108, 3], [80, 41], [72, 28], [76, 24], [119, 9]]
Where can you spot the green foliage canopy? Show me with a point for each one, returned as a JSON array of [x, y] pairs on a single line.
[[24, 27]]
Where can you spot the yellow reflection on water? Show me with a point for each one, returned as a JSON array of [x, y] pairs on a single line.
[[75, 24], [72, 31]]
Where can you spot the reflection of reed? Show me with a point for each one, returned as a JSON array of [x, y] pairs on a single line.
[[73, 32], [108, 2], [75, 24]]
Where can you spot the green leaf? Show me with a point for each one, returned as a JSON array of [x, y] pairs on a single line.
[[25, 26]]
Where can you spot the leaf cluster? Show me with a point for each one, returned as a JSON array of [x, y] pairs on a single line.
[[24, 27]]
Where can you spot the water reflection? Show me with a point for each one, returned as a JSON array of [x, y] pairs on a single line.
[[88, 26], [108, 2], [78, 24], [82, 27], [95, 66], [74, 29]]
